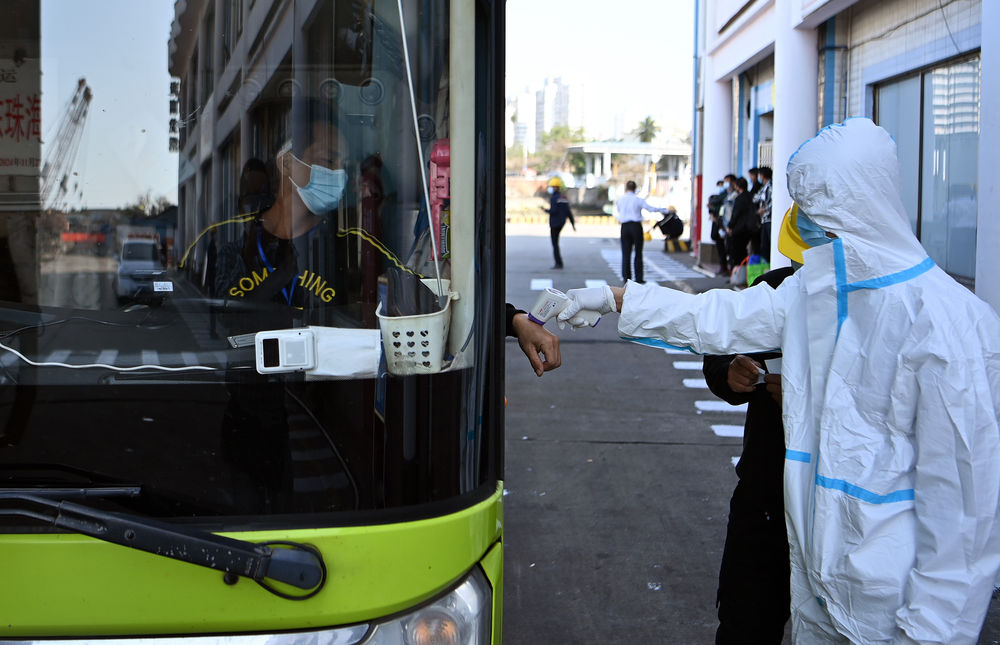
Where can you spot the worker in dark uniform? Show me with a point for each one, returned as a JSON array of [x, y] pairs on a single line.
[[753, 597]]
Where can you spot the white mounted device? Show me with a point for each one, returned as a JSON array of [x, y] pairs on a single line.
[[320, 352], [285, 350]]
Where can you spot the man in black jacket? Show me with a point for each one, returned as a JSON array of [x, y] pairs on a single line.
[[754, 597], [559, 211], [743, 224]]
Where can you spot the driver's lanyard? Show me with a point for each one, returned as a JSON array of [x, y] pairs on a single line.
[[288, 293]]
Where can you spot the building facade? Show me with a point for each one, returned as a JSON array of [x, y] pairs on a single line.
[[770, 73]]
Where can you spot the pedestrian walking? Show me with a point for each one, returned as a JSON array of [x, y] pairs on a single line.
[[559, 211]]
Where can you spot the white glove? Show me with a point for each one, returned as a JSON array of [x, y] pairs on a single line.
[[599, 299]]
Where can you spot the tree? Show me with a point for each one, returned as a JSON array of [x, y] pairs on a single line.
[[145, 205], [551, 154], [647, 130], [515, 158]]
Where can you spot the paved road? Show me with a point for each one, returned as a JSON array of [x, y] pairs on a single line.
[[619, 469]]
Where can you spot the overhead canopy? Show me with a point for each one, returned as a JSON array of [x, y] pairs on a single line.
[[656, 150], [598, 154]]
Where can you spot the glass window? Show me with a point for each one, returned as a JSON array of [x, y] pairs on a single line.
[[899, 114], [950, 165], [934, 118], [312, 196]]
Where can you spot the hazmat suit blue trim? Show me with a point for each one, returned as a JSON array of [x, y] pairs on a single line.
[[891, 406]]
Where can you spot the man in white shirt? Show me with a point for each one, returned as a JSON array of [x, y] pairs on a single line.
[[629, 212]]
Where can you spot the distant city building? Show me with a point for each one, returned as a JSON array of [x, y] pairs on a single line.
[[522, 120], [558, 103], [532, 113]]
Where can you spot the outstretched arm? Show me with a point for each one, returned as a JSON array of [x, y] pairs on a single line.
[[540, 346]]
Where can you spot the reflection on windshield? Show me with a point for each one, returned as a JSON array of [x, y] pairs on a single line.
[[191, 173]]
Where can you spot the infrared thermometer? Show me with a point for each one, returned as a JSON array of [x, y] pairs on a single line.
[[552, 301]]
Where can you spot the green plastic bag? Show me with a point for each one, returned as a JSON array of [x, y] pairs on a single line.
[[756, 267]]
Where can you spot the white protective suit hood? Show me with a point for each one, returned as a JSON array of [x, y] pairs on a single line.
[[890, 405], [847, 179]]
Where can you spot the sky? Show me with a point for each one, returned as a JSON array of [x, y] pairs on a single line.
[[120, 47], [632, 56]]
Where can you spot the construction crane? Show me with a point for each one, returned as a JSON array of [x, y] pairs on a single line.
[[61, 153]]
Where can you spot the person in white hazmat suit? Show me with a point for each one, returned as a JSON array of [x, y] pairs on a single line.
[[891, 398]]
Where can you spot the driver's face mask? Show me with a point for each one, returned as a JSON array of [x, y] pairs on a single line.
[[325, 188]]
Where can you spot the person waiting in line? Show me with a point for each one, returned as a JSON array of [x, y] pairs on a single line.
[[753, 596], [890, 400], [628, 211], [718, 233], [726, 214], [559, 211], [762, 204], [754, 183], [743, 223]]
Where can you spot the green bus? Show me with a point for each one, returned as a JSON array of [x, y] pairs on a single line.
[[270, 409]]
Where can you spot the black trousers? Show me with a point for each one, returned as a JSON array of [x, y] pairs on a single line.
[[765, 241], [720, 246], [554, 233], [754, 595], [632, 238]]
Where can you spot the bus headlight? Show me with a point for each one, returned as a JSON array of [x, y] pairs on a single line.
[[460, 617]]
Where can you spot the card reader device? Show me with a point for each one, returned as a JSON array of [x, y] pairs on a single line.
[[285, 350]]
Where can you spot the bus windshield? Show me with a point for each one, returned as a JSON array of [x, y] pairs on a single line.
[[192, 183]]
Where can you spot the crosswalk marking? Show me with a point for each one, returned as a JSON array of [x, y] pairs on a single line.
[[315, 454], [595, 283], [727, 431], [541, 284], [687, 365], [696, 383], [674, 350], [114, 358], [719, 406], [319, 483], [663, 269], [58, 356]]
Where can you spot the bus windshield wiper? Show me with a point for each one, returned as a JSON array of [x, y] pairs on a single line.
[[298, 565]]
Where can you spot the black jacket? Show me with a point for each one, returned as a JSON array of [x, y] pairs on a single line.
[[745, 221], [761, 467], [559, 211]]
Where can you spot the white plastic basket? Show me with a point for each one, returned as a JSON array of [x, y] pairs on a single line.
[[416, 344]]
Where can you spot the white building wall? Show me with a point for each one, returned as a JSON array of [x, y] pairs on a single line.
[[988, 233], [885, 39], [895, 37]]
